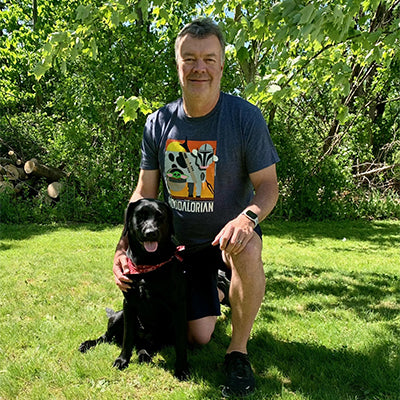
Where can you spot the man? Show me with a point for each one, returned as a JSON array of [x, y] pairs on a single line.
[[216, 159]]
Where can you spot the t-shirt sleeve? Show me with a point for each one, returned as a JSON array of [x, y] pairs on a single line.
[[149, 147], [260, 150]]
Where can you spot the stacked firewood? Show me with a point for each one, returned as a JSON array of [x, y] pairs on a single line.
[[24, 177]]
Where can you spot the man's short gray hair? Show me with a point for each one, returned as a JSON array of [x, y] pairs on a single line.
[[201, 28]]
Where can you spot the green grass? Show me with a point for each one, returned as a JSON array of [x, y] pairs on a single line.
[[329, 327]]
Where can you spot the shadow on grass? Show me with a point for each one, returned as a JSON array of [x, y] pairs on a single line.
[[302, 369], [365, 293], [28, 231], [379, 233], [308, 369], [322, 373], [313, 371]]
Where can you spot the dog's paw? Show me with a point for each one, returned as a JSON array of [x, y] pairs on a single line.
[[182, 374], [85, 346], [144, 356], [121, 363]]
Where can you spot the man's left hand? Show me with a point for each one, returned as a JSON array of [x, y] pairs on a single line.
[[235, 235]]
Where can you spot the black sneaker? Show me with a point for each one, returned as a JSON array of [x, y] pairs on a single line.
[[240, 376], [223, 284]]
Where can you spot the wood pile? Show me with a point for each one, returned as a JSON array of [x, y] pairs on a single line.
[[29, 177]]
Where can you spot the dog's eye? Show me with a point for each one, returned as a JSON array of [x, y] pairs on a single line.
[[142, 215], [159, 216]]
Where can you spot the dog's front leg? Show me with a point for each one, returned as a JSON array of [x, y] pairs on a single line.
[[88, 344], [181, 364], [122, 361]]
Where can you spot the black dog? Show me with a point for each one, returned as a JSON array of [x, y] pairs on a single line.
[[154, 312]]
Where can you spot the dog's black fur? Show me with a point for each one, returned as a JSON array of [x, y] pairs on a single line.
[[154, 312]]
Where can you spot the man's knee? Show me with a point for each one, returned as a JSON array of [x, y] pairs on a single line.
[[249, 259], [200, 330]]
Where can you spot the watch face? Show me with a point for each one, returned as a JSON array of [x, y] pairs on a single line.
[[251, 214]]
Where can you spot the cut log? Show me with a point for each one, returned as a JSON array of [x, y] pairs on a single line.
[[34, 167], [6, 186], [14, 173], [13, 156], [54, 189]]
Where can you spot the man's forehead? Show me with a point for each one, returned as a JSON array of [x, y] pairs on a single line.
[[209, 45]]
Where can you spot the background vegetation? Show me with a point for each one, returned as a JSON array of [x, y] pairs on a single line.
[[328, 328], [77, 79]]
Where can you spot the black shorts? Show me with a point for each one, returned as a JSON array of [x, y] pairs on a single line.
[[202, 267]]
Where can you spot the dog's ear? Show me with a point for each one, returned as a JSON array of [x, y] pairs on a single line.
[[128, 216]]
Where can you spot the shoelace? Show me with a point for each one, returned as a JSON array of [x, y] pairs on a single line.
[[238, 365]]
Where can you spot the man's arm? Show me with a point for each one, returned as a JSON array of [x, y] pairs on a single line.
[[236, 233], [147, 187], [265, 183]]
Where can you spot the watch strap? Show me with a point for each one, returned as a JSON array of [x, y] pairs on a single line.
[[251, 216]]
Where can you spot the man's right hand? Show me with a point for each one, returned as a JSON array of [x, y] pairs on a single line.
[[120, 269]]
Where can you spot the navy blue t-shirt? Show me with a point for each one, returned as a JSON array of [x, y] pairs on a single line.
[[205, 162]]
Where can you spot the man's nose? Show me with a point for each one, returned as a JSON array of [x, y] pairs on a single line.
[[199, 65]]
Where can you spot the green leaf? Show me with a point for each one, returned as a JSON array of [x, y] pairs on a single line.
[[338, 15], [250, 88], [343, 113], [306, 14], [93, 48], [144, 6], [115, 18], [240, 39], [120, 102], [63, 66], [259, 21], [82, 12], [273, 88], [242, 54], [40, 69], [59, 37]]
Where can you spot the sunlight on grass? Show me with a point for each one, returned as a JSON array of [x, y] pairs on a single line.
[[329, 326]]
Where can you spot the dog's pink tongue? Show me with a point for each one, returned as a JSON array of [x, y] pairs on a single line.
[[150, 246]]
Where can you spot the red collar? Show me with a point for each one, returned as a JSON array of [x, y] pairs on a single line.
[[142, 269]]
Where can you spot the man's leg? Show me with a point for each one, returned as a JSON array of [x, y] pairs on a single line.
[[246, 295], [246, 292], [200, 330]]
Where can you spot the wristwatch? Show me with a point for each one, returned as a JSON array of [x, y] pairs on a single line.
[[251, 216]]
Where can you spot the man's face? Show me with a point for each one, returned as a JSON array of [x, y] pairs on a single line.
[[200, 66]]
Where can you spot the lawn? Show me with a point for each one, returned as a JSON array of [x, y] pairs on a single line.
[[329, 326]]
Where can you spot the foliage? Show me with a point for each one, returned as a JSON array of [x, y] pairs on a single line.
[[327, 329], [79, 79]]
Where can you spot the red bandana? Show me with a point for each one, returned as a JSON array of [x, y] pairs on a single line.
[[142, 269]]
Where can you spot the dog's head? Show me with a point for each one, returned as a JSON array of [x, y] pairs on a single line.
[[149, 223]]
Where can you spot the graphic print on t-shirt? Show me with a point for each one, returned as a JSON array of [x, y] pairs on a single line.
[[190, 174]]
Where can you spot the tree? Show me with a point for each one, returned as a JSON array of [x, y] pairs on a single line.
[[325, 74]]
